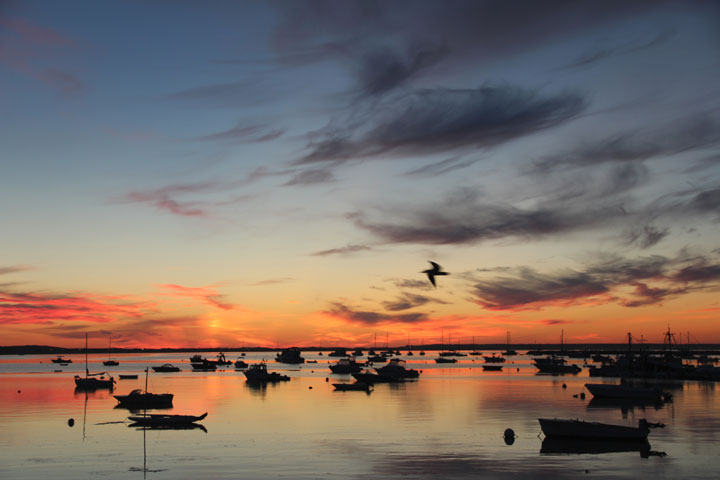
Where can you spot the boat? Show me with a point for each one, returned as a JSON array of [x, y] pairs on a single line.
[[373, 378], [509, 351], [138, 399], [349, 387], [109, 362], [627, 391], [201, 363], [141, 399], [127, 377], [240, 364], [358, 352], [445, 360], [93, 380], [338, 352], [377, 359], [452, 353], [257, 372], [492, 368], [290, 355], [346, 365], [221, 360], [582, 429], [396, 368], [165, 420], [553, 364], [60, 359], [494, 359], [166, 368]]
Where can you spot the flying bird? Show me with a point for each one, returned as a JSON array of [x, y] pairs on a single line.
[[433, 272]]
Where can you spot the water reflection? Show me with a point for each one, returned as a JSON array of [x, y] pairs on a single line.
[[566, 446], [448, 423]]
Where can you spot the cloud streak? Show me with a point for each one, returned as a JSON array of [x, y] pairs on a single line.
[[440, 120], [605, 281]]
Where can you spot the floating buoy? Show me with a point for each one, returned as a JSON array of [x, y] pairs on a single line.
[[18, 391], [564, 386], [327, 379], [582, 395], [575, 396], [509, 436], [71, 422], [310, 387]]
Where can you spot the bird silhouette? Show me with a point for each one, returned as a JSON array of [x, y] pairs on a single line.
[[433, 272]]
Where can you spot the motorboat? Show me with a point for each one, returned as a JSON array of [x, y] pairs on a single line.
[[373, 378], [60, 359], [396, 368], [349, 387], [166, 368], [240, 364], [290, 355], [445, 360], [494, 359], [258, 372], [346, 365], [553, 364], [492, 368], [582, 429], [140, 399], [338, 352]]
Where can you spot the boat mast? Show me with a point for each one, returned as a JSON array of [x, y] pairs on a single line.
[[87, 372]]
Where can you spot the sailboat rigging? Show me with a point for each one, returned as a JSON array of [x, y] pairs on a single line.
[[109, 362], [93, 380]]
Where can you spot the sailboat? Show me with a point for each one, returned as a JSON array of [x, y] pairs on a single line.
[[93, 380], [138, 399], [109, 362], [509, 351]]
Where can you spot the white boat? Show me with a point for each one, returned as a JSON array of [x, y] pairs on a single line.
[[582, 429]]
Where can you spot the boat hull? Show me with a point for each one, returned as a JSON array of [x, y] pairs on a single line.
[[582, 429], [601, 390], [166, 420], [146, 400]]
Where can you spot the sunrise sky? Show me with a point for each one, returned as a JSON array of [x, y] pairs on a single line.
[[181, 173]]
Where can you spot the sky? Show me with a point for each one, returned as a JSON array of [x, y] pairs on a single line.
[[275, 173]]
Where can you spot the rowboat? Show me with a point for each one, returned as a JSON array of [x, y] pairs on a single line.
[[165, 420], [582, 429], [127, 377]]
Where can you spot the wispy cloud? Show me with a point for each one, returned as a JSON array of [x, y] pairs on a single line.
[[242, 133], [440, 120], [697, 131], [45, 308], [347, 249], [31, 50], [605, 281], [407, 301], [207, 295], [366, 317], [172, 198]]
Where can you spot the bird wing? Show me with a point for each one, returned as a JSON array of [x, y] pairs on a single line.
[[431, 277]]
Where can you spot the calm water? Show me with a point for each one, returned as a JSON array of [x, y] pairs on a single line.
[[447, 424]]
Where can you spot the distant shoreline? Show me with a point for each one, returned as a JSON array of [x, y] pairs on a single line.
[[712, 349]]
